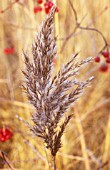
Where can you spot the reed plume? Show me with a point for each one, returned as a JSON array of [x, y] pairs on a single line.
[[51, 95]]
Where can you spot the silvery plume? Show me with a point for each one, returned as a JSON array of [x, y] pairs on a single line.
[[51, 95]]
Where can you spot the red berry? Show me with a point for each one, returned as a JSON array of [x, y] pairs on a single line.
[[108, 60], [47, 11], [2, 139], [56, 10], [8, 134], [37, 9], [105, 54], [97, 59], [39, 1], [45, 4], [5, 134], [9, 50], [50, 4], [103, 68], [46, 7]]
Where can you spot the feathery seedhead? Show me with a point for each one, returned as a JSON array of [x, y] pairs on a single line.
[[51, 96]]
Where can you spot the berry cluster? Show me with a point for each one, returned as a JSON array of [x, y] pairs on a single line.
[[9, 50], [37, 9], [47, 7], [5, 134], [104, 66], [40, 1]]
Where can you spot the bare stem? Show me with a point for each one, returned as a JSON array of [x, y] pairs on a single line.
[[47, 157], [8, 7], [7, 161], [87, 28], [54, 163]]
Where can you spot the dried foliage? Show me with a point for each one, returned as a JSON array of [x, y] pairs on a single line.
[[78, 28], [51, 96]]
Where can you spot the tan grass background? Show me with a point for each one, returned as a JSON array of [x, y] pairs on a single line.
[[86, 142]]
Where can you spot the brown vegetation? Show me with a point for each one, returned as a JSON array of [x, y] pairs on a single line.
[[79, 26]]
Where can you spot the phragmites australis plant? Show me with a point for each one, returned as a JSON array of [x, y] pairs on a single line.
[[51, 95]]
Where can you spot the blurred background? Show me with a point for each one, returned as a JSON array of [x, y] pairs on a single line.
[[81, 26]]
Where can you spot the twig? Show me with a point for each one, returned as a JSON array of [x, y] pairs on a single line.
[[78, 26], [35, 150], [104, 164], [78, 158], [93, 157], [3, 155], [22, 120], [98, 106], [8, 7], [16, 26], [100, 33]]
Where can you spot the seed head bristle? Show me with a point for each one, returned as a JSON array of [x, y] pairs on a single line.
[[51, 96]]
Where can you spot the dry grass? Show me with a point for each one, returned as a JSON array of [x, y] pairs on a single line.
[[86, 142]]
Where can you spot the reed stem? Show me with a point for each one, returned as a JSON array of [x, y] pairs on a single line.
[[54, 163]]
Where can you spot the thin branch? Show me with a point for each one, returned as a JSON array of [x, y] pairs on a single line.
[[4, 156], [98, 106], [8, 7], [75, 14], [93, 157], [35, 150], [99, 32], [78, 26], [104, 164]]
